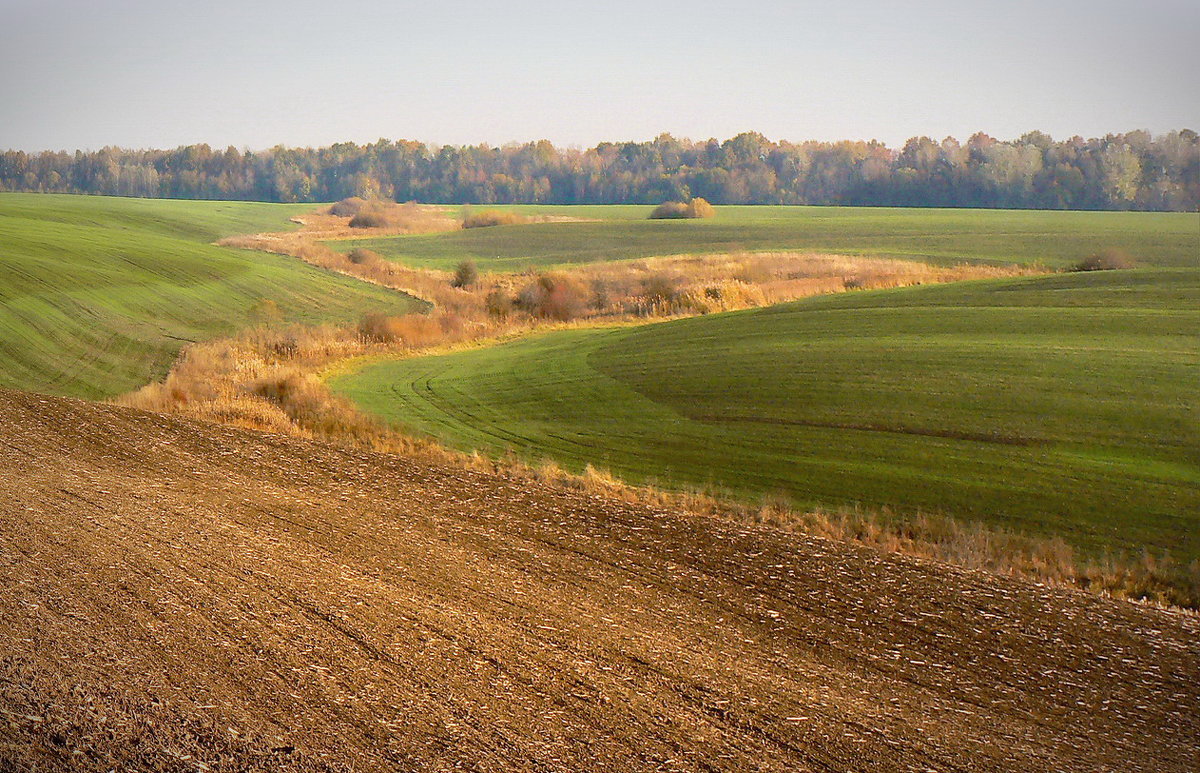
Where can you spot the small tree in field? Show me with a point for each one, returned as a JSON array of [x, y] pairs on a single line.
[[466, 274]]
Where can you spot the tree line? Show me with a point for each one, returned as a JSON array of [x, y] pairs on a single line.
[[1135, 170]]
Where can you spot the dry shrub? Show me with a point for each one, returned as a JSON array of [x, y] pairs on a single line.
[[679, 210], [370, 218], [499, 303], [348, 207], [602, 296], [363, 257], [403, 218], [661, 288], [669, 210], [699, 207], [1106, 260], [465, 274], [553, 296], [492, 217]]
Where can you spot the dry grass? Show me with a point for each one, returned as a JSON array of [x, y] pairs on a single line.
[[1155, 579], [700, 284], [378, 218], [407, 218], [492, 217]]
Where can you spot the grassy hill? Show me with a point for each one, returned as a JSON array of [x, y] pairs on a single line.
[[943, 236], [1065, 405], [98, 294]]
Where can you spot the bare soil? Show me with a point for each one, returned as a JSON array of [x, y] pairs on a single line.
[[176, 595]]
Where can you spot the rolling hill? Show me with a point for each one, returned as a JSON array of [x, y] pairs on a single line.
[[98, 294], [1064, 405], [181, 596], [938, 236]]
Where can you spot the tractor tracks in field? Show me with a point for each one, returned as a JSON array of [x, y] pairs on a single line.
[[1006, 439]]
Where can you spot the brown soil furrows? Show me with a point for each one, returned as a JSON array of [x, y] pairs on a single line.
[[176, 595]]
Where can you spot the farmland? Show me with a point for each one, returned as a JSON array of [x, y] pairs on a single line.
[[176, 595], [97, 295], [1064, 405], [184, 595], [939, 236]]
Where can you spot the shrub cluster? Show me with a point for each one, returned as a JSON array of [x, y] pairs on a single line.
[[499, 303], [1105, 260], [465, 274], [377, 213], [553, 296], [348, 207], [679, 210]]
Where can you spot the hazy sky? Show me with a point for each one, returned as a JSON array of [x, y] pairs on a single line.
[[85, 74]]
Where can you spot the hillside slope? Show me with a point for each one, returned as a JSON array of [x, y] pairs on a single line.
[[1064, 405], [97, 295], [180, 596], [936, 236]]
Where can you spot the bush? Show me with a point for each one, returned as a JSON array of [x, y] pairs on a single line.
[[409, 217], [699, 207], [552, 296], [360, 257], [348, 207], [370, 218], [1105, 260], [679, 210], [660, 290], [669, 210], [601, 295], [466, 274], [491, 217], [499, 303]]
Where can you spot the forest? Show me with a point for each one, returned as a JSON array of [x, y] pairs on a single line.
[[1130, 171]]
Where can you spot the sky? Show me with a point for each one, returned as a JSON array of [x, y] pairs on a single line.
[[257, 73]]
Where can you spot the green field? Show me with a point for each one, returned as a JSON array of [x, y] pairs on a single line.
[[98, 294], [943, 236], [1065, 405]]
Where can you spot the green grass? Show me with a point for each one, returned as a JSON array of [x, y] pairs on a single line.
[[1061, 405], [942, 236], [98, 294]]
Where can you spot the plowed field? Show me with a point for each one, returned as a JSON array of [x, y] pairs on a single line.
[[180, 596]]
